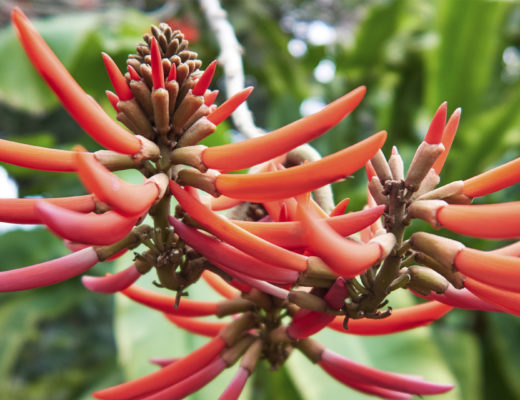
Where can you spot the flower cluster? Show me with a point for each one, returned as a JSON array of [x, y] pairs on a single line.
[[287, 267]]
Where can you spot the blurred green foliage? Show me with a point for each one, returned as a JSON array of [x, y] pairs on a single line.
[[60, 343]]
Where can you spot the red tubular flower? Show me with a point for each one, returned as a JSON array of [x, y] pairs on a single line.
[[235, 387], [157, 68], [49, 272], [386, 380], [341, 207], [461, 298], [96, 229], [223, 111], [290, 234], [223, 253], [22, 211], [117, 79], [245, 154], [400, 320], [492, 269], [220, 285], [493, 180], [83, 109], [447, 139], [35, 157], [344, 256], [203, 328], [127, 199], [374, 390], [436, 129], [236, 236], [112, 283], [307, 322], [261, 285], [210, 97], [166, 304], [492, 221], [192, 383], [269, 186], [203, 83], [503, 299], [166, 376]]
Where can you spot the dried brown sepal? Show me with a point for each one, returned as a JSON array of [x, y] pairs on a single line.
[[204, 181], [160, 101], [139, 119], [396, 165], [189, 155], [442, 249], [232, 332], [451, 189], [422, 161], [311, 349], [184, 111], [234, 306], [143, 95], [307, 300], [233, 353], [425, 280], [196, 132], [455, 278], [381, 167], [426, 210], [376, 190]]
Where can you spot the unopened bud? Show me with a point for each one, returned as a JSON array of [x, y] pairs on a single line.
[[443, 192], [424, 280], [422, 161], [189, 155], [396, 165], [204, 181], [381, 167], [442, 249], [307, 301], [426, 210], [196, 132], [429, 182], [386, 243], [376, 190]]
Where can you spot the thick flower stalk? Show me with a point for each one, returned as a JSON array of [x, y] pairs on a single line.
[[286, 268]]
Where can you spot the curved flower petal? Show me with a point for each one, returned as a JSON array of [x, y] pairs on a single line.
[[447, 139], [219, 285], [344, 256], [236, 236], [491, 221], [96, 229], [226, 109], [166, 376], [269, 186], [203, 328], [503, 299], [49, 272], [290, 234], [400, 320], [493, 180], [126, 198], [22, 211], [87, 113], [388, 380], [489, 268], [247, 153], [220, 252], [112, 283], [35, 157], [166, 304]]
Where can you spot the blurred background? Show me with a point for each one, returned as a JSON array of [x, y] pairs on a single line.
[[63, 342]]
